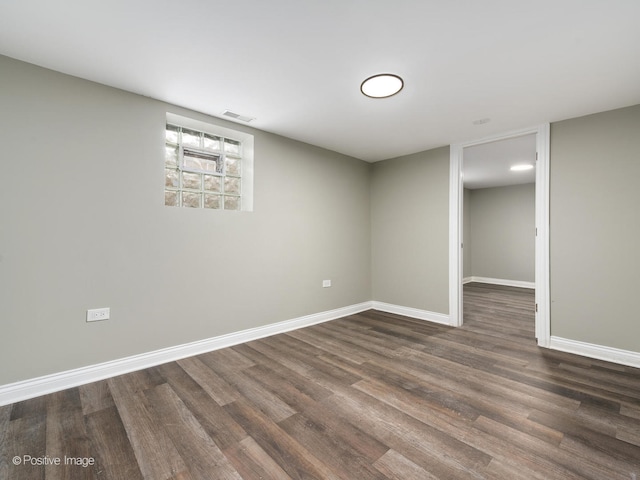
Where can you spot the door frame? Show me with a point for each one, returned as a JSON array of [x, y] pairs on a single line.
[[456, 192]]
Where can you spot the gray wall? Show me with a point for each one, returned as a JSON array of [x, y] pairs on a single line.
[[410, 231], [83, 225], [466, 233], [502, 232], [595, 226]]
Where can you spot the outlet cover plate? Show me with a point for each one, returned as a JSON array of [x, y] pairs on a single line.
[[97, 314]]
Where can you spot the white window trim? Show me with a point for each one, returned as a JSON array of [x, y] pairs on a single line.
[[247, 151]]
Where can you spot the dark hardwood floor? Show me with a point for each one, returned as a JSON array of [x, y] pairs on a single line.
[[370, 396]]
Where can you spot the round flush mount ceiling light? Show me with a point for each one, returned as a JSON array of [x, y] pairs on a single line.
[[521, 168], [382, 85]]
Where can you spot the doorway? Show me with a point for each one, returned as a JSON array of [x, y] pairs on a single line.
[[498, 254], [456, 229]]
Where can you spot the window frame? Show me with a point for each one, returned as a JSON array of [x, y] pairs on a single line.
[[219, 171], [245, 157]]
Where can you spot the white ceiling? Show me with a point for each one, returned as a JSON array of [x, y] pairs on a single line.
[[297, 65], [489, 164]]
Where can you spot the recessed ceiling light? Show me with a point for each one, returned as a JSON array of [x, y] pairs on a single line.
[[521, 168], [382, 85]]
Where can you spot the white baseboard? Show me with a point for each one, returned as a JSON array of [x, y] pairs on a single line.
[[609, 354], [412, 312], [500, 281], [15, 392]]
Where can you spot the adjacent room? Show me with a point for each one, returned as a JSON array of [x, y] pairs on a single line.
[[330, 240], [499, 232]]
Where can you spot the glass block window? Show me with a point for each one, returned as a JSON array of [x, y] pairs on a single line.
[[202, 170]]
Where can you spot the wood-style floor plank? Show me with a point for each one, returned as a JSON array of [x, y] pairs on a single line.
[[293, 457], [398, 431], [251, 461], [195, 447], [110, 446], [220, 427], [5, 458], [65, 420], [207, 379], [155, 452], [230, 366], [26, 437], [95, 397], [397, 467], [330, 448], [370, 396]]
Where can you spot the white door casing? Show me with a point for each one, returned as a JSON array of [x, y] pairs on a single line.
[[456, 186]]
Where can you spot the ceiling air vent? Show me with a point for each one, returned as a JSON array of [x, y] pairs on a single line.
[[237, 116]]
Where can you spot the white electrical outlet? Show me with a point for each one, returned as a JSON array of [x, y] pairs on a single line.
[[326, 283], [97, 314]]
